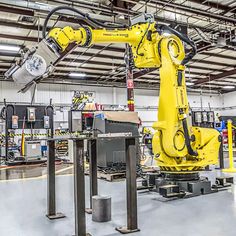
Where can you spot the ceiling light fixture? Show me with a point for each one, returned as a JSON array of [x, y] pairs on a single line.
[[121, 17], [189, 83], [11, 48], [166, 34], [76, 74], [229, 87]]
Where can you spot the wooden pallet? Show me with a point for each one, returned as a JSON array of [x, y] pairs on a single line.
[[109, 177], [112, 176]]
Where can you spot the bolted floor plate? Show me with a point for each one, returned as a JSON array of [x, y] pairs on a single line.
[[87, 234], [125, 230], [57, 216]]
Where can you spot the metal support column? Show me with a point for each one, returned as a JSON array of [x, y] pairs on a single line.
[[51, 187], [129, 78], [79, 188], [131, 188], [92, 171]]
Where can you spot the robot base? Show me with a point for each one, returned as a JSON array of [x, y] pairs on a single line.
[[172, 185]]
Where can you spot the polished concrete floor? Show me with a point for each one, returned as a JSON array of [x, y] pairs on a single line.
[[32, 171], [23, 209]]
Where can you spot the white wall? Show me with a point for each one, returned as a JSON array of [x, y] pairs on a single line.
[[146, 101], [228, 104], [9, 91]]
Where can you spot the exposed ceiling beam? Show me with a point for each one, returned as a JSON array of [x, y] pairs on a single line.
[[195, 11], [216, 77], [35, 39], [211, 4], [16, 10], [218, 55], [138, 85], [206, 62], [88, 54], [20, 38], [98, 6], [14, 24], [92, 82], [80, 20]]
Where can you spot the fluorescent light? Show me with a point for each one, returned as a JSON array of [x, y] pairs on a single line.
[[121, 17], [12, 48], [166, 34], [189, 83], [229, 87], [75, 74]]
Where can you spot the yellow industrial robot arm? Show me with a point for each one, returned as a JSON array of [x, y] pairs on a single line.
[[177, 146]]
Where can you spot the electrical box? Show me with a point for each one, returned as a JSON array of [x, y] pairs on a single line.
[[14, 120], [211, 116], [46, 122], [31, 114], [204, 116], [197, 117]]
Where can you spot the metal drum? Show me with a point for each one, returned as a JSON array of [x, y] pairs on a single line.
[[101, 208]]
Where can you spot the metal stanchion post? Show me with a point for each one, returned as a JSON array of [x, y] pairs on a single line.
[[92, 172], [79, 189], [51, 187], [230, 147], [131, 188]]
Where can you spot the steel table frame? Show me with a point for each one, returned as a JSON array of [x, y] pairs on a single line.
[[79, 183]]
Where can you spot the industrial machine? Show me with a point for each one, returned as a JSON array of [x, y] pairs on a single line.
[[181, 151], [32, 150], [111, 153]]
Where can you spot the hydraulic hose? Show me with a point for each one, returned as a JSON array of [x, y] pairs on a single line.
[[84, 15], [2, 113], [187, 139]]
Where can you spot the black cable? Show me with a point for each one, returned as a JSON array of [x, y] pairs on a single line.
[[3, 113], [86, 16], [186, 136], [142, 40], [184, 39]]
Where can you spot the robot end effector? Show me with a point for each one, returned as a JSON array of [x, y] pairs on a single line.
[[39, 61], [36, 63]]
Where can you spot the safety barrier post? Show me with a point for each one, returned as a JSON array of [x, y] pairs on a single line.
[[231, 168]]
